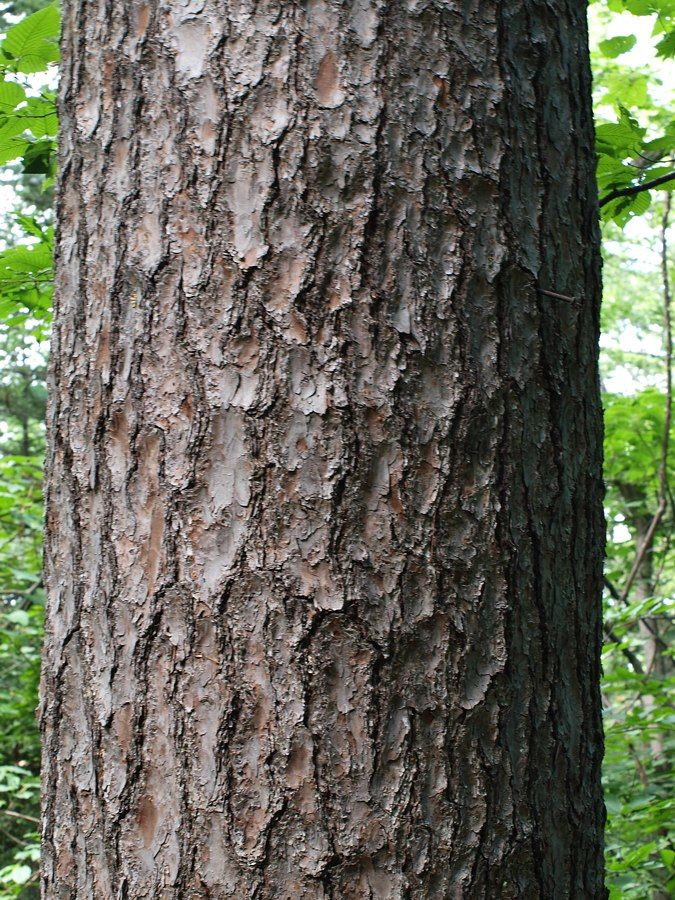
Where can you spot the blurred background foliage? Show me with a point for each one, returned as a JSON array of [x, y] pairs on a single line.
[[633, 51], [27, 134]]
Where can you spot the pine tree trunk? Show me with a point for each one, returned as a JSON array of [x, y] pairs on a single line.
[[324, 479]]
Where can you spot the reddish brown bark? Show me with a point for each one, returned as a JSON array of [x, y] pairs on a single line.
[[324, 490]]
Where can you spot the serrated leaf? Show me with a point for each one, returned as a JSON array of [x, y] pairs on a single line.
[[608, 164], [11, 95], [618, 210], [30, 44], [618, 139], [12, 149], [612, 173], [11, 126], [615, 46], [25, 260], [38, 61], [640, 203], [29, 225]]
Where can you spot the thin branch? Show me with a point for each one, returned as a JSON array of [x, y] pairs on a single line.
[[557, 296], [636, 188], [16, 815], [663, 468], [615, 595], [666, 548], [642, 772], [614, 592], [647, 162], [26, 592], [627, 652], [11, 837]]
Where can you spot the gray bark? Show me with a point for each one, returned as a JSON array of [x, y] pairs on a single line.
[[324, 522]]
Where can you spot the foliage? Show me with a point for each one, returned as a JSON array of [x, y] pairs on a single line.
[[635, 148], [26, 279], [21, 605], [28, 123], [639, 682], [636, 144], [27, 134]]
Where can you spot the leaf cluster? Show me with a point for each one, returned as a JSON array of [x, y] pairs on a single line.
[[636, 149]]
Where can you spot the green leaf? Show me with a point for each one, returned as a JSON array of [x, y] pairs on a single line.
[[19, 874], [39, 158], [11, 145], [614, 47], [666, 46], [619, 139], [33, 260], [613, 804], [640, 855], [18, 617], [39, 116], [640, 203], [639, 7], [11, 95], [613, 173], [30, 44], [11, 149], [30, 226]]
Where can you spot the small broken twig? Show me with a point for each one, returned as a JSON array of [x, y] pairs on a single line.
[[557, 295]]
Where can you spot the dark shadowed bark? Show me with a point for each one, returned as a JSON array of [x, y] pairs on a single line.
[[324, 489]]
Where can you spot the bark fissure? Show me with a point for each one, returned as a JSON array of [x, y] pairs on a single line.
[[324, 492]]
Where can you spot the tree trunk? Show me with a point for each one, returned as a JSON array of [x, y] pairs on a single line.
[[324, 480]]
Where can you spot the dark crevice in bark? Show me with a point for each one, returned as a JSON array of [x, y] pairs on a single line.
[[309, 408]]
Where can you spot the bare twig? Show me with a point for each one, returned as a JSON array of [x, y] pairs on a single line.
[[642, 772], [13, 838], [16, 815], [557, 296], [23, 593], [646, 162], [613, 590], [636, 188], [627, 652]]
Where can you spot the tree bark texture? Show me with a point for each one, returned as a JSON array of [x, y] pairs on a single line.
[[324, 478]]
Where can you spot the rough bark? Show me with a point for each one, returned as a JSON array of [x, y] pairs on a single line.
[[324, 489]]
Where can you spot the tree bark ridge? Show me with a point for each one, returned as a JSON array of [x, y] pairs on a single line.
[[324, 490]]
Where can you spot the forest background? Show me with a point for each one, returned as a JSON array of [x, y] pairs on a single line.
[[633, 51]]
